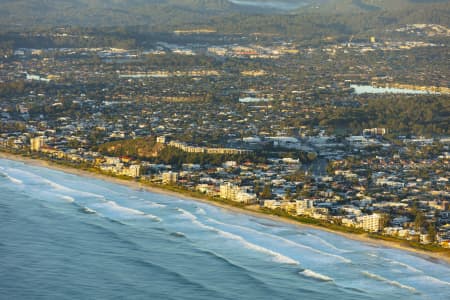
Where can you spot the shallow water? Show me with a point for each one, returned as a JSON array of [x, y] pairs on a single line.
[[69, 237], [368, 89]]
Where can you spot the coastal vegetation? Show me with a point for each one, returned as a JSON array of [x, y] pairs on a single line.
[[147, 149]]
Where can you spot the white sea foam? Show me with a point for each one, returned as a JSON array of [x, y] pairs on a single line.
[[411, 268], [123, 211], [315, 275], [277, 257], [186, 214], [436, 280], [153, 217], [154, 204], [88, 210], [295, 244], [67, 198], [284, 240], [178, 234], [200, 211], [30, 177], [388, 281], [61, 187], [326, 243], [395, 262], [12, 179]]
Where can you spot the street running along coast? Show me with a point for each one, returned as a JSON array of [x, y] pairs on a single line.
[[443, 255]]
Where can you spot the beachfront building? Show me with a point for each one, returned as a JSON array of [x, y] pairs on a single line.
[[132, 171], [245, 197], [272, 204], [236, 193], [288, 206], [228, 191], [305, 207], [36, 143], [372, 223], [169, 177]]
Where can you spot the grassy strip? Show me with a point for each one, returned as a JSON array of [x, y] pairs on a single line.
[[411, 244], [311, 221]]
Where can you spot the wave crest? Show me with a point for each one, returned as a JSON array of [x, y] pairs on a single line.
[[286, 241], [315, 275], [124, 212], [277, 257], [154, 204], [388, 281], [12, 179]]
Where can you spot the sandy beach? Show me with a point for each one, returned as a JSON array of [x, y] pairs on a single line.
[[444, 257]]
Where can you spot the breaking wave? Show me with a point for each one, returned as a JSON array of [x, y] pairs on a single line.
[[315, 275], [178, 234], [60, 187], [154, 204], [411, 268], [388, 281], [436, 280], [286, 241], [12, 179], [277, 257], [31, 179], [326, 243], [67, 198], [124, 212], [88, 210], [395, 262], [200, 211]]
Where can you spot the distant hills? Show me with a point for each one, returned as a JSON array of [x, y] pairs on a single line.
[[284, 5], [173, 13], [19, 13]]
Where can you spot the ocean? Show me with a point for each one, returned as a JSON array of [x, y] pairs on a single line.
[[64, 236]]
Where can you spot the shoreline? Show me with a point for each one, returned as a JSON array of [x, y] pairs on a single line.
[[364, 238]]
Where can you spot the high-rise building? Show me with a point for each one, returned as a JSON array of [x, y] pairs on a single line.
[[304, 207], [169, 177], [227, 191], [372, 223], [132, 171], [236, 193], [36, 143]]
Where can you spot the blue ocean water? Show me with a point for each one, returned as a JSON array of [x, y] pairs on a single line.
[[68, 237]]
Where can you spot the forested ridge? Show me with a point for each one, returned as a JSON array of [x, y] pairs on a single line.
[[225, 16], [147, 148]]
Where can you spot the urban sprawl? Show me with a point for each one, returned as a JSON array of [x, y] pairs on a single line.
[[248, 122]]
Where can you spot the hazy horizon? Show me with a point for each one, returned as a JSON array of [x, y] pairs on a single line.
[[285, 5]]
